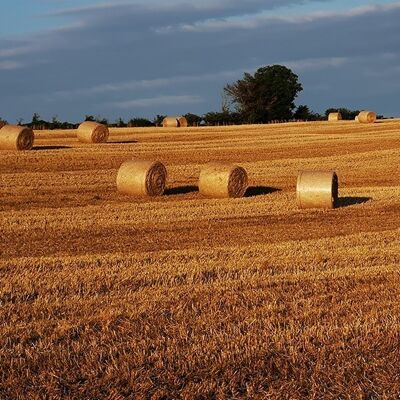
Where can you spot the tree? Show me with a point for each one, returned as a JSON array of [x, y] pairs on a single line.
[[35, 119], [120, 123], [266, 95], [140, 123], [158, 120], [346, 113], [303, 112], [193, 119]]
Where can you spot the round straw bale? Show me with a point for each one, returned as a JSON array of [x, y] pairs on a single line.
[[337, 116], [317, 189], [175, 122], [356, 119], [221, 180], [15, 137], [142, 178], [367, 117], [183, 123], [92, 132]]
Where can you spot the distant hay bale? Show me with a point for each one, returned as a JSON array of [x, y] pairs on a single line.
[[142, 178], [92, 132], [15, 137], [337, 116], [317, 189], [356, 119], [367, 117], [175, 122], [221, 180]]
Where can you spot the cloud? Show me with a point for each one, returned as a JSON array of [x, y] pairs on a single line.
[[117, 58], [254, 21], [10, 65], [205, 7], [159, 101]]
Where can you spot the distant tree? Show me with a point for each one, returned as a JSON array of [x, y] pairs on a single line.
[[35, 119], [55, 123], [266, 95], [222, 118], [140, 123], [193, 119], [101, 120], [158, 120], [120, 123], [89, 118], [346, 113], [302, 112], [20, 121]]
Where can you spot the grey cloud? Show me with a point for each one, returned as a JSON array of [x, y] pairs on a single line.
[[158, 101], [122, 62]]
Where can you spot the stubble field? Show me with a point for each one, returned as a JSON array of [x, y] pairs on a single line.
[[107, 296]]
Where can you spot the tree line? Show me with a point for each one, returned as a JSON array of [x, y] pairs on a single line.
[[266, 96]]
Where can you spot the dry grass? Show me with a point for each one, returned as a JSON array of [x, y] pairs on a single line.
[[105, 296]]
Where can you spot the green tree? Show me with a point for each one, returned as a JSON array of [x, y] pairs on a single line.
[[346, 113], [266, 95], [158, 120], [140, 123], [193, 119], [35, 119]]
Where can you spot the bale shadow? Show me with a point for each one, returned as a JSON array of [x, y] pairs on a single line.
[[254, 191], [51, 148], [351, 201], [122, 141], [181, 190]]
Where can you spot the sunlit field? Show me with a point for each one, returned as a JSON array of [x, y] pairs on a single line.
[[103, 295]]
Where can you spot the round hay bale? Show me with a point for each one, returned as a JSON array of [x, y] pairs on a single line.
[[332, 117], [183, 123], [92, 132], [142, 178], [367, 117], [15, 137], [221, 180], [317, 189], [175, 122], [356, 119]]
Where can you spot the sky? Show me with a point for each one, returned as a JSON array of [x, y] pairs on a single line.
[[139, 58]]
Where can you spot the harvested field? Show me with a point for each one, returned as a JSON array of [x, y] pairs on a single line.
[[107, 296]]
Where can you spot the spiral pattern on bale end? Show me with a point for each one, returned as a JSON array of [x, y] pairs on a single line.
[[221, 180], [317, 189], [142, 178], [15, 137], [92, 132], [367, 117]]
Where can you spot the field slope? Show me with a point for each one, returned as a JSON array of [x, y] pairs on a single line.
[[105, 296]]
